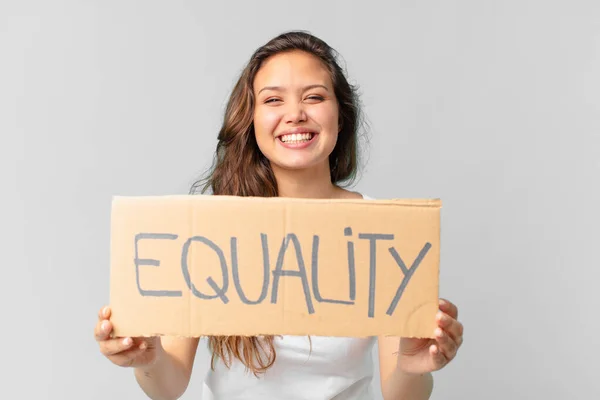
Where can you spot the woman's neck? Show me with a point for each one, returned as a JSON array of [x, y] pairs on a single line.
[[306, 183]]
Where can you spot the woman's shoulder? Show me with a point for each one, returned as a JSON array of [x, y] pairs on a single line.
[[353, 195]]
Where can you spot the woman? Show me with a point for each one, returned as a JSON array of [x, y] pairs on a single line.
[[290, 129]]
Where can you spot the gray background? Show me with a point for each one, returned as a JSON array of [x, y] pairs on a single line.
[[492, 106]]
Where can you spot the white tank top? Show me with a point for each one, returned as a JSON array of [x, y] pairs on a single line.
[[335, 368]]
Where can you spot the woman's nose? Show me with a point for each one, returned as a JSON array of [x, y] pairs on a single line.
[[295, 113]]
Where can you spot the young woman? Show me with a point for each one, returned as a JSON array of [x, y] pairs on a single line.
[[290, 129]]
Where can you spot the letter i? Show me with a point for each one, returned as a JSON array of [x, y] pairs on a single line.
[[351, 267]]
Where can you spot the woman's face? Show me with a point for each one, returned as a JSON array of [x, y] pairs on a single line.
[[296, 111]]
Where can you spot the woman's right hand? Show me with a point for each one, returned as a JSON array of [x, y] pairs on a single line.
[[125, 351]]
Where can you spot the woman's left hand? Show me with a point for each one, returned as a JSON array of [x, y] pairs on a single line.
[[418, 356]]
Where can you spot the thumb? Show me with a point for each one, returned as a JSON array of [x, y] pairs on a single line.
[[438, 358], [148, 342]]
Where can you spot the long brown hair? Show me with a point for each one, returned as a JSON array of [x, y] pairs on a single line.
[[240, 169]]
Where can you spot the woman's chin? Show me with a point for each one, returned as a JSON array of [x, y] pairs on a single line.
[[297, 165]]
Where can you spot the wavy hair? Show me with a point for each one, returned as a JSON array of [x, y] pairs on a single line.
[[239, 168]]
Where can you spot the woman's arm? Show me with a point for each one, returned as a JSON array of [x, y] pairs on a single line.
[[169, 376], [395, 383]]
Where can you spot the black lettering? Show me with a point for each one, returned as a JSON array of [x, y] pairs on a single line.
[[301, 273], [220, 292], [315, 276], [155, 263], [236, 275], [408, 273], [373, 237]]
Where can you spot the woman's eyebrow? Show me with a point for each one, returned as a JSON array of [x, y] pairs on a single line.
[[280, 89]]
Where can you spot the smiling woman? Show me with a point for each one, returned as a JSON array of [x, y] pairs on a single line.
[[290, 129]]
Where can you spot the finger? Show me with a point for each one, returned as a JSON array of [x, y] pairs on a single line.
[[127, 357], [102, 330], [104, 313], [446, 344], [449, 308], [115, 346], [453, 327], [439, 359]]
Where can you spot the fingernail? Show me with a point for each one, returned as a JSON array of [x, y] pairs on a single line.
[[439, 333], [104, 326], [143, 345], [105, 311], [127, 341], [439, 315]]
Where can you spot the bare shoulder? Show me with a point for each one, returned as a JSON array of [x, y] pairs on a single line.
[[349, 194]]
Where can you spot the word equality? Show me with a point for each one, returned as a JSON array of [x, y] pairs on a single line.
[[290, 240]]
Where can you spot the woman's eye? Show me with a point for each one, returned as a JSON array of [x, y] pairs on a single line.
[[271, 100], [316, 97]]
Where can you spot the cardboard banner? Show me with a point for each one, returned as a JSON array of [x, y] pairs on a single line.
[[196, 265]]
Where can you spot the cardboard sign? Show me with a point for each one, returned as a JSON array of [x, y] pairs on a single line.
[[197, 265]]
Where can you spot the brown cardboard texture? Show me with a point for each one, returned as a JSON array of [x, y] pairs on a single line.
[[198, 265]]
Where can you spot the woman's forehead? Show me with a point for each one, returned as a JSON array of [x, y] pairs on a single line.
[[292, 70]]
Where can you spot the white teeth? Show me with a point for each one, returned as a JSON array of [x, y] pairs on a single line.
[[296, 137]]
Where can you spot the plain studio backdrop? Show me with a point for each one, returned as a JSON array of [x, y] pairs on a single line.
[[494, 107]]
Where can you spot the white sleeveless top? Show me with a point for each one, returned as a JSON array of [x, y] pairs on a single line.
[[335, 368]]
